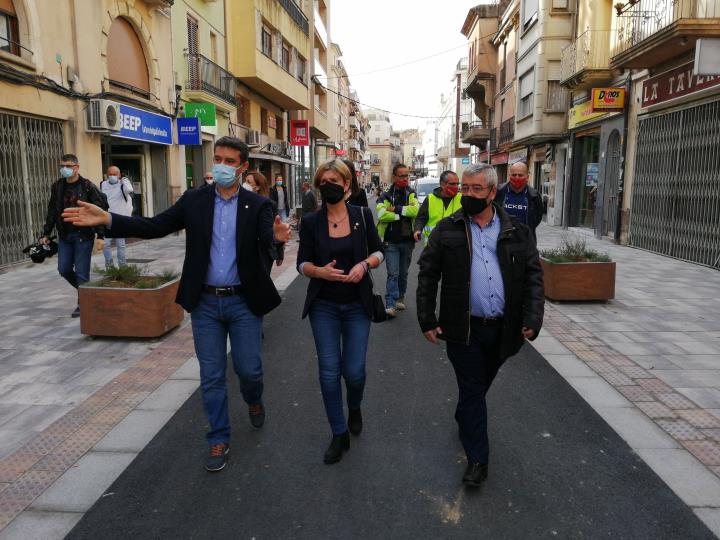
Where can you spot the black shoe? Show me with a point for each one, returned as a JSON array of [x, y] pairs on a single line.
[[217, 459], [257, 415], [475, 474], [338, 445], [76, 313], [355, 422]]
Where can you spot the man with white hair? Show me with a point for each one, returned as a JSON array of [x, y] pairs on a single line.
[[119, 192], [491, 301]]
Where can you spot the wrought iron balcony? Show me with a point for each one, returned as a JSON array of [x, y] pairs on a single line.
[[507, 131], [204, 75], [477, 133], [650, 32], [587, 60], [296, 14]]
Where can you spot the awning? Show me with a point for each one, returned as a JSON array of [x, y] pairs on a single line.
[[273, 157]]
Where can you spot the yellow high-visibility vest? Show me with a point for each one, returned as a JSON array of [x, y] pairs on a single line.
[[438, 211]]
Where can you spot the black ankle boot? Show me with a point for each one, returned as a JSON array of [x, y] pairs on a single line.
[[338, 445], [355, 422]]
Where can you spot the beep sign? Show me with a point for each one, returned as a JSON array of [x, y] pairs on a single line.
[[608, 99], [141, 125]]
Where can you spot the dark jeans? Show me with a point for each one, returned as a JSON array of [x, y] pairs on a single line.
[[74, 253], [475, 368], [213, 319], [397, 262], [341, 333]]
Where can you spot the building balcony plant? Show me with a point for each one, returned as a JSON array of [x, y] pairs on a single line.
[[574, 272], [129, 301]]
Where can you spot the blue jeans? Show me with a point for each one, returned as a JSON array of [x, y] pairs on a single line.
[[107, 251], [283, 214], [397, 262], [74, 253], [212, 320], [475, 368], [341, 334]]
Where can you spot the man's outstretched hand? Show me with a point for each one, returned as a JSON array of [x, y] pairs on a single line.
[[281, 231], [86, 215]]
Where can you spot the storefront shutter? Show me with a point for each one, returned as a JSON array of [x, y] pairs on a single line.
[[553, 71]]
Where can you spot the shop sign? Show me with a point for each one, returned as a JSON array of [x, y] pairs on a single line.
[[145, 126], [608, 99], [592, 172], [499, 159], [466, 161], [340, 152], [583, 113], [517, 155], [675, 83], [206, 112], [189, 131], [299, 132]]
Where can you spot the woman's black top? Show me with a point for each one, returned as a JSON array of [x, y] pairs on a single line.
[[341, 250]]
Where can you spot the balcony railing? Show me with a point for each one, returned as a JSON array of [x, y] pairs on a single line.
[[476, 133], [205, 75], [296, 15], [320, 27], [647, 17], [507, 130], [318, 69], [354, 122], [591, 51]]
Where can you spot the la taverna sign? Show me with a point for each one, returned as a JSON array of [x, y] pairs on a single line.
[[675, 83]]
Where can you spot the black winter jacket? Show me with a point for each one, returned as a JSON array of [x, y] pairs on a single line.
[[89, 192], [447, 259]]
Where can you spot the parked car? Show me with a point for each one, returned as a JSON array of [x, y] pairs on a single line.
[[425, 186]]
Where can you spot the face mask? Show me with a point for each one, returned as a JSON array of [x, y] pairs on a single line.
[[517, 183], [473, 205], [332, 193], [451, 190], [278, 182], [112, 179], [66, 172], [224, 175], [401, 183], [248, 186]]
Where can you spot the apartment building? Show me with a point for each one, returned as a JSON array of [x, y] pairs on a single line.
[[380, 146], [107, 95], [411, 151]]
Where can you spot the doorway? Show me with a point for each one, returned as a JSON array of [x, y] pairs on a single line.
[[586, 170], [133, 167], [612, 182]]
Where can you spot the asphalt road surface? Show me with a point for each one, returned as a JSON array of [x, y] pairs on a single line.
[[556, 469]]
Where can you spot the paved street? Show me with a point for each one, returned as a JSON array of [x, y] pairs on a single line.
[[555, 445]]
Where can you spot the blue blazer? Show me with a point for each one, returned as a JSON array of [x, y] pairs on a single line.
[[194, 212], [315, 249]]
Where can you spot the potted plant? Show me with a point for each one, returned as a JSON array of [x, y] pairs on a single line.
[[128, 301], [575, 272]]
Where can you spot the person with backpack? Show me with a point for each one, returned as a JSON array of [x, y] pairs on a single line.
[[119, 196]]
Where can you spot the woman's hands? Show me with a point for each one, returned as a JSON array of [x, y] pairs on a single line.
[[357, 272], [330, 273]]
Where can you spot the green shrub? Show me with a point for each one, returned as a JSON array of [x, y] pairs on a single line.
[[131, 276], [574, 249]]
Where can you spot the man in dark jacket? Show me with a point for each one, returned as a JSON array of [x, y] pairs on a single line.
[[75, 245], [491, 301], [519, 199], [224, 284]]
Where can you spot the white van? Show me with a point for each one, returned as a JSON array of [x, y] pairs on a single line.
[[425, 186]]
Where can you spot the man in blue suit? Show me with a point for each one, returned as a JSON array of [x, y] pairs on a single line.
[[224, 284]]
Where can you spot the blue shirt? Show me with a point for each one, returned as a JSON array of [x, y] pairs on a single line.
[[516, 204], [487, 292], [222, 271]]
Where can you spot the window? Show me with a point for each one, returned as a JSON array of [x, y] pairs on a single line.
[[127, 67], [264, 121], [527, 83], [377, 140], [279, 127], [556, 97], [213, 47], [9, 35], [285, 58], [503, 70], [192, 35], [529, 12], [301, 69], [266, 42], [243, 111]]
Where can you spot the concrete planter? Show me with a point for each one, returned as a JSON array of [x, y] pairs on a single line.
[[579, 280], [123, 312]]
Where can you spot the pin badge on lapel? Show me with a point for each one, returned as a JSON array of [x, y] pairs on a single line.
[[247, 206]]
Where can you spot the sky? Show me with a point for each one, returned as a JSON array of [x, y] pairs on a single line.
[[377, 34]]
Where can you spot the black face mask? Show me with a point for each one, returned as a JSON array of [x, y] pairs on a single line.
[[332, 193], [473, 205]]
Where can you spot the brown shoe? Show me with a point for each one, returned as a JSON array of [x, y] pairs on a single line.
[[257, 415], [217, 459]]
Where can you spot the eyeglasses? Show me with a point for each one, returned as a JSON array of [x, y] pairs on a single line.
[[402, 176], [475, 188]]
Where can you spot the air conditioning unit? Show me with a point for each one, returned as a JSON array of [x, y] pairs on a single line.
[[103, 115], [253, 137]]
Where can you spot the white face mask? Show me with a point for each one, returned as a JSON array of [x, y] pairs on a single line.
[[112, 179], [248, 186]]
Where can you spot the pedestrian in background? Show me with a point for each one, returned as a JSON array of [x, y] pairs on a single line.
[[75, 245], [444, 201], [519, 199], [279, 194], [339, 245], [208, 177], [250, 184], [357, 197], [491, 301], [396, 211], [119, 197], [262, 187], [309, 201], [223, 286]]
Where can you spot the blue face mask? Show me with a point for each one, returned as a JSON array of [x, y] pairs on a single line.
[[112, 179], [66, 172], [224, 175]]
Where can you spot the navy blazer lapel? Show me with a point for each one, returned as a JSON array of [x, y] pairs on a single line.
[[357, 230], [207, 211], [243, 210], [323, 236]]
